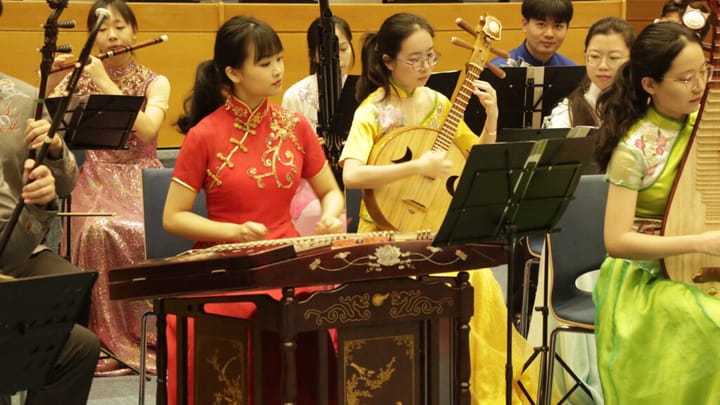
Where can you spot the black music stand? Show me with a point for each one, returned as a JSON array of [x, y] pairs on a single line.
[[521, 94], [534, 134], [511, 190], [444, 82], [98, 121], [36, 316], [95, 121]]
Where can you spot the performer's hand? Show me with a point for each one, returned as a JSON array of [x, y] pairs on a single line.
[[99, 76], [41, 188], [251, 231], [329, 224], [36, 133], [433, 164], [61, 60], [487, 96]]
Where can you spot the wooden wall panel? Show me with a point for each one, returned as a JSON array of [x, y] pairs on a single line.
[[642, 12], [191, 29]]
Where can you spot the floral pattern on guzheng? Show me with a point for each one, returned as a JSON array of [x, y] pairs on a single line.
[[385, 257]]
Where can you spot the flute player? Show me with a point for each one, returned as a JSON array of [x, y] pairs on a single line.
[[110, 181]]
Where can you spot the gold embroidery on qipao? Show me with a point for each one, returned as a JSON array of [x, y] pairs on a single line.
[[282, 128], [246, 121]]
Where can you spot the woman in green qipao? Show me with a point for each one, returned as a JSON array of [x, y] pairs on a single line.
[[657, 339]]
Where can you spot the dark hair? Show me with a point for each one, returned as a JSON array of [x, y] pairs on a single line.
[[120, 6], [625, 101], [560, 11], [314, 42], [672, 6], [387, 41], [581, 112], [234, 43]]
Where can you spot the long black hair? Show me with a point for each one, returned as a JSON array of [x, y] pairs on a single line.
[[234, 43], [387, 41], [625, 101], [581, 112]]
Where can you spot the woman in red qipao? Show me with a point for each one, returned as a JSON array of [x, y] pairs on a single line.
[[248, 155]]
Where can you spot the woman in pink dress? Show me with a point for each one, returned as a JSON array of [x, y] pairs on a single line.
[[110, 181], [248, 156]]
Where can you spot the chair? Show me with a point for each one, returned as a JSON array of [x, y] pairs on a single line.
[[576, 249], [534, 245], [158, 243]]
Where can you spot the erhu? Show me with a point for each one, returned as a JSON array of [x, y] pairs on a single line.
[[102, 15]]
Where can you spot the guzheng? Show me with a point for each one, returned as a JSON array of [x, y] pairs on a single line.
[[297, 262]]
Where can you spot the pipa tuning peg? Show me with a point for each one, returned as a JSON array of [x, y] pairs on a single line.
[[496, 70]]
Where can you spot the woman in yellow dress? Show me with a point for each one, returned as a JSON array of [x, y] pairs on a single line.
[[396, 64]]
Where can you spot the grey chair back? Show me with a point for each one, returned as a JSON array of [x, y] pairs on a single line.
[[578, 248], [159, 243]]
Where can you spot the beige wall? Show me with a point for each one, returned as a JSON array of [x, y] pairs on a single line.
[[191, 29]]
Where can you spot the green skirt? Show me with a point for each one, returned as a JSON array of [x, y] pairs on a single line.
[[658, 341]]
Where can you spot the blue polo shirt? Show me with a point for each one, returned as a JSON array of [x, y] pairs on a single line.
[[520, 56]]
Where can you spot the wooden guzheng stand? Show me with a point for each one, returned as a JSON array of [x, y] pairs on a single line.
[[401, 339]]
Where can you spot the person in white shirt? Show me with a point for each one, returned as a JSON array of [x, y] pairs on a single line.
[[607, 47]]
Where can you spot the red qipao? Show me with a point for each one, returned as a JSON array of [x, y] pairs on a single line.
[[249, 163]]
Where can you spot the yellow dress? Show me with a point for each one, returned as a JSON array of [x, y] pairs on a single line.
[[426, 107]]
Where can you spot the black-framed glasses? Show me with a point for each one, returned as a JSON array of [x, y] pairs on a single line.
[[612, 61], [418, 62], [699, 78]]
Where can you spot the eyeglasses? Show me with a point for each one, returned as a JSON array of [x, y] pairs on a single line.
[[418, 62], [612, 61], [701, 77]]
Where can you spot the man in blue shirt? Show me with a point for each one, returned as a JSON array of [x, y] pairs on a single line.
[[545, 24]]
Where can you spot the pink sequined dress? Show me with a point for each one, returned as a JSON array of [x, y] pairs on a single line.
[[110, 181]]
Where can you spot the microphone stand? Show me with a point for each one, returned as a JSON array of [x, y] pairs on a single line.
[[57, 120]]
